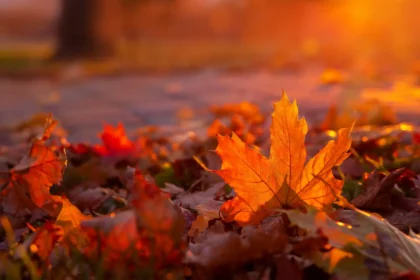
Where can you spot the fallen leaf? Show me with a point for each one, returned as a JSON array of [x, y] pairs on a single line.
[[41, 243], [115, 142], [150, 235], [200, 224], [405, 221], [232, 249], [172, 189], [193, 199], [376, 191], [28, 183], [70, 216], [388, 247], [282, 180], [152, 205], [88, 197], [206, 212]]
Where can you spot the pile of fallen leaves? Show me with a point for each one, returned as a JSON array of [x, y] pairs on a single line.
[[154, 208]]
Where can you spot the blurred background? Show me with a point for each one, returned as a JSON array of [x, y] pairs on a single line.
[[186, 34], [159, 62]]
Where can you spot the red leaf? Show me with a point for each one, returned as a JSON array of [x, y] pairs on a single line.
[[152, 232], [115, 142], [28, 183]]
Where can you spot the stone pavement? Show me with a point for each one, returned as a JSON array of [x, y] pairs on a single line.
[[83, 106]]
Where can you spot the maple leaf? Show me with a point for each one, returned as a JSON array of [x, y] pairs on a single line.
[[28, 183], [283, 180], [115, 142]]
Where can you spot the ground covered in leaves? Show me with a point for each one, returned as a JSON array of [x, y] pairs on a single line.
[[257, 198]]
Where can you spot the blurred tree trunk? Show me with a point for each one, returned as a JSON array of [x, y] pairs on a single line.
[[88, 28]]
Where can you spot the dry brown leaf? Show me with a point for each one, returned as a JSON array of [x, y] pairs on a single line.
[[376, 194], [216, 249], [206, 212]]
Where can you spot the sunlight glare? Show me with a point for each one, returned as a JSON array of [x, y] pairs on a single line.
[[406, 127], [331, 133], [341, 224]]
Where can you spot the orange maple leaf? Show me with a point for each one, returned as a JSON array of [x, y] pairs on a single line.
[[283, 180], [28, 183]]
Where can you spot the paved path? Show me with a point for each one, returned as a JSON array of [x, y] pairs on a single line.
[[83, 106]]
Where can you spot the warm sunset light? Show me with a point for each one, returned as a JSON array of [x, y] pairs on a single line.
[[209, 139]]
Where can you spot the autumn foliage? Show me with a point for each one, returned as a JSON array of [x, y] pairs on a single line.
[[283, 180], [27, 185], [145, 208]]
